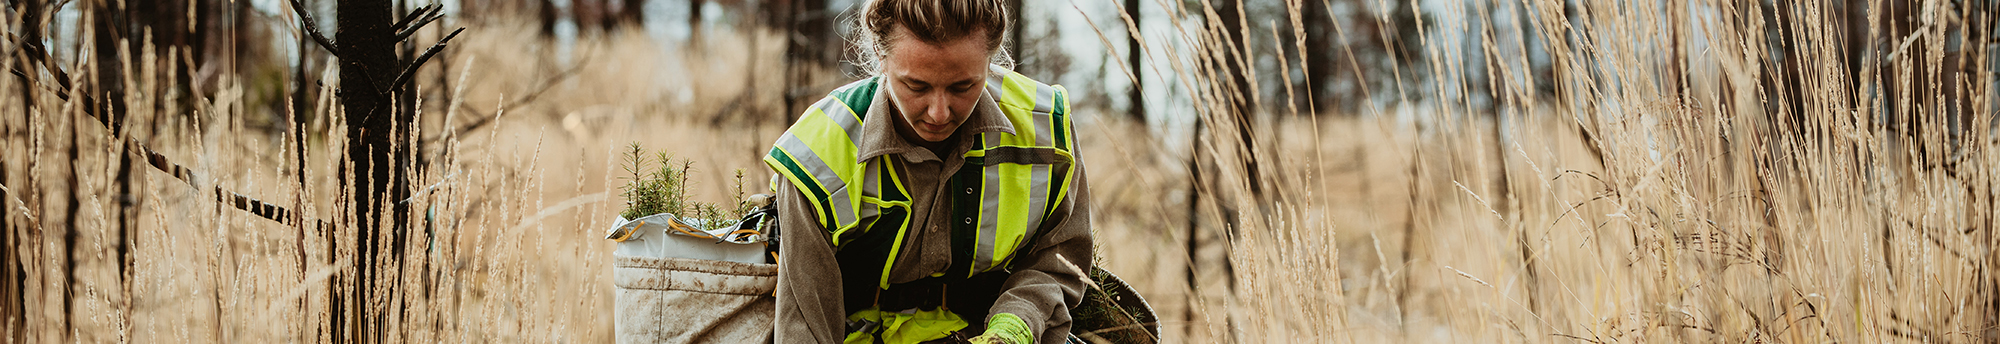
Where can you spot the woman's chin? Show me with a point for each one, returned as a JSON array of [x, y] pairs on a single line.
[[933, 135]]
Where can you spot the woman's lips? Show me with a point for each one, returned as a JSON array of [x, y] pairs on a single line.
[[931, 128]]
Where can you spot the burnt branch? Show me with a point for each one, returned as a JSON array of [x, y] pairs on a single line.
[[35, 53], [421, 12], [311, 28], [404, 28], [405, 34], [411, 70], [262, 209]]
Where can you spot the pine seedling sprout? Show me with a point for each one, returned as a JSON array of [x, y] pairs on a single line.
[[658, 184]]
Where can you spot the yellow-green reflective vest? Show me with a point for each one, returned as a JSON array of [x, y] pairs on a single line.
[[1008, 185]]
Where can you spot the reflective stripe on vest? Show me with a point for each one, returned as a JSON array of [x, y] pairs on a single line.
[[1025, 175]]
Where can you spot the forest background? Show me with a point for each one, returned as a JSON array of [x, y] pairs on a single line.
[[1262, 170]]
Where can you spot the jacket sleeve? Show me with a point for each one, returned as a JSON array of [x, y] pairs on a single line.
[[808, 296], [1043, 288]]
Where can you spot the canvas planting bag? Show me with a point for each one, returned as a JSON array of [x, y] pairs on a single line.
[[679, 284]]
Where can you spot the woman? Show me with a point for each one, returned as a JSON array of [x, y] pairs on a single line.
[[937, 200]]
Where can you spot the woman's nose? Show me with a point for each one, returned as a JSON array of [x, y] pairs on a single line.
[[939, 111]]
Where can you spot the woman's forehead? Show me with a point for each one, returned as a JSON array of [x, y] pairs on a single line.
[[949, 62]]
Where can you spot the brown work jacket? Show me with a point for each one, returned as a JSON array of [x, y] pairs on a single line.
[[1041, 290]]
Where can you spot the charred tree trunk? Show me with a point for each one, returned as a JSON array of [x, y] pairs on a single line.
[[375, 127]]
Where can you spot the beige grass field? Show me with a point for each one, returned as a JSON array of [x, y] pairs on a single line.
[[1666, 187]]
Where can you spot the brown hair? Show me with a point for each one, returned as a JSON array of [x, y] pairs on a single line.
[[930, 21]]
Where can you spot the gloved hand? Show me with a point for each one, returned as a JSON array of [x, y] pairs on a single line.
[[1005, 328]]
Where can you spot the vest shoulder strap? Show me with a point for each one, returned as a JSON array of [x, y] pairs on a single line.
[[818, 153]]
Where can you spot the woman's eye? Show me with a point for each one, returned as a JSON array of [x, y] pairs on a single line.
[[914, 88]]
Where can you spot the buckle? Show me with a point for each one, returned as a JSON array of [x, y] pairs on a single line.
[[863, 326]]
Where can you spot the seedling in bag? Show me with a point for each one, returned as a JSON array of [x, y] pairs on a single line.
[[656, 193]]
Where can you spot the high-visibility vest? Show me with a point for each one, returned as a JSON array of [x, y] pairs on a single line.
[[1007, 186]]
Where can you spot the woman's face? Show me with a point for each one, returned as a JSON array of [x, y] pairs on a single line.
[[934, 86]]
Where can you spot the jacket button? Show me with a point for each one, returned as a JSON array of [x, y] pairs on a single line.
[[968, 220], [968, 191]]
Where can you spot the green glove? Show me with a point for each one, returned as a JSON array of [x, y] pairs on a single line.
[[1005, 328]]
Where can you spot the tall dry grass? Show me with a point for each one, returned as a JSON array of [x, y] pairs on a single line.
[[1702, 171], [1664, 173], [506, 242]]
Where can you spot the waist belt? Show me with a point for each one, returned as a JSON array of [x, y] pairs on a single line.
[[970, 297]]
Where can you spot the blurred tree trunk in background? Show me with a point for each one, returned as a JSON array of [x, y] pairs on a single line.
[[366, 45], [810, 26], [775, 14], [546, 11], [124, 29], [122, 33], [1015, 45], [1925, 61], [114, 26], [250, 36], [1243, 101], [190, 40], [543, 12], [1365, 57], [1230, 61], [1134, 55], [1318, 64], [588, 15], [816, 25], [24, 15], [109, 23], [694, 19], [633, 13], [810, 47], [12, 326], [303, 93], [607, 16]]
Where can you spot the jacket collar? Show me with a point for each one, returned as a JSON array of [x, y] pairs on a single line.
[[878, 127]]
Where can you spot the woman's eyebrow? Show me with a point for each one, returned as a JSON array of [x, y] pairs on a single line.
[[913, 81]]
